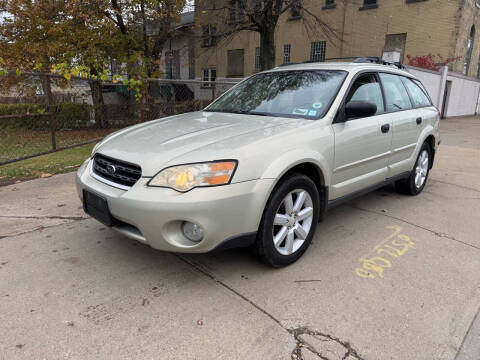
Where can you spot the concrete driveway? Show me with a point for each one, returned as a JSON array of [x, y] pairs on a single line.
[[70, 288]]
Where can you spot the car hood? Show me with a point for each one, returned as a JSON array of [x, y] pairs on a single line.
[[179, 139]]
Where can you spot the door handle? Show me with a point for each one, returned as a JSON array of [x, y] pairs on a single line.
[[419, 120], [385, 128]]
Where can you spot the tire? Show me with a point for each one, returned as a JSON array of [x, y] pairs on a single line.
[[287, 222], [415, 183]]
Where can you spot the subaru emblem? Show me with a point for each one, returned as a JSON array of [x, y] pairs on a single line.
[[111, 169]]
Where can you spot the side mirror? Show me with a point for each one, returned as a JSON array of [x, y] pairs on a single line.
[[359, 109]]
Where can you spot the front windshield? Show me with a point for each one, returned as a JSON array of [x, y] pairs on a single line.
[[304, 93]]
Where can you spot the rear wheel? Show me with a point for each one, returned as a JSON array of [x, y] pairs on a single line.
[[419, 175], [289, 221]]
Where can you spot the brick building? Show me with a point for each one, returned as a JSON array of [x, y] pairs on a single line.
[[450, 28]]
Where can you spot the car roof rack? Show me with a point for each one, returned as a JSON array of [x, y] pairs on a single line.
[[356, 59], [377, 60]]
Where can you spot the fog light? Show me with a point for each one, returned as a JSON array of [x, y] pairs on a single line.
[[192, 231]]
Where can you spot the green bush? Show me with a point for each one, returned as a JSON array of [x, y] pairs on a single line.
[[67, 116], [72, 116]]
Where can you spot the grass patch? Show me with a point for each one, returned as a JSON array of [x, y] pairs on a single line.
[[22, 142], [46, 165]]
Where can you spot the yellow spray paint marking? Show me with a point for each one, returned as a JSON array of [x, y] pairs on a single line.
[[380, 257]]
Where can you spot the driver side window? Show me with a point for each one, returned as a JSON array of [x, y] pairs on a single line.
[[367, 88]]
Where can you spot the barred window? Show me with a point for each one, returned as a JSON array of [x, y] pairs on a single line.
[[257, 59], [369, 2], [236, 11], [317, 51], [209, 75], [286, 53], [209, 35], [329, 2]]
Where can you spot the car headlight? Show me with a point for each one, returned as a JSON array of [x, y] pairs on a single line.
[[186, 177]]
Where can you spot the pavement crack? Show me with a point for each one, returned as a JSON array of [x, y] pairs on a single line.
[[42, 217], [296, 332], [457, 355], [443, 235], [205, 272], [457, 185], [341, 346]]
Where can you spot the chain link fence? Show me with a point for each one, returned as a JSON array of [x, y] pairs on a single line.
[[43, 113]]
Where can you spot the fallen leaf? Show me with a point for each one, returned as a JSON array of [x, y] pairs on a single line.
[[200, 322], [14, 189], [60, 205], [45, 175]]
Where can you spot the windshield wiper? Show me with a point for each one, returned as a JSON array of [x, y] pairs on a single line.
[[259, 113]]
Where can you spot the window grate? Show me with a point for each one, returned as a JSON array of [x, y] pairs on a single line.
[[317, 51], [286, 53], [257, 59]]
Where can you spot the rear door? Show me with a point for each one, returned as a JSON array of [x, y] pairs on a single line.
[[403, 115], [362, 146]]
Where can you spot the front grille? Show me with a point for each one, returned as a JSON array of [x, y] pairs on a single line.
[[116, 171]]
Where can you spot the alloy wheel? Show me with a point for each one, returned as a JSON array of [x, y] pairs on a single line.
[[293, 221], [421, 169]]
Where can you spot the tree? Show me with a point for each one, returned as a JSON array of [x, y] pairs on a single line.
[[261, 16], [86, 36]]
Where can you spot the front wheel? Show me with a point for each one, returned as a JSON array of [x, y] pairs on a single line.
[[289, 221], [419, 175]]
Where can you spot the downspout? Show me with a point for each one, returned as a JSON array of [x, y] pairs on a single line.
[[343, 26]]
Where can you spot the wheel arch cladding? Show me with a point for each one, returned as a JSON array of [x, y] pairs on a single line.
[[315, 173], [430, 140]]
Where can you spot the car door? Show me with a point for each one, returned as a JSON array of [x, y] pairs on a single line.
[[362, 145], [405, 130]]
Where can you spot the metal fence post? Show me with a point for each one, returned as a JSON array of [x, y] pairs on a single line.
[[50, 108]]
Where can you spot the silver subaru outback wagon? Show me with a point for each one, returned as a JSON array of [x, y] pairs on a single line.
[[261, 165]]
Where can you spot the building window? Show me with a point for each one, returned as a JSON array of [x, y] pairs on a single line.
[[329, 4], [209, 35], [317, 51], [209, 75], [286, 53], [295, 8], [478, 68], [257, 59], [236, 11], [369, 4], [172, 64], [468, 54], [235, 63]]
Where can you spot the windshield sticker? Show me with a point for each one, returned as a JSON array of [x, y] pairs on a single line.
[[317, 105], [312, 113], [300, 111]]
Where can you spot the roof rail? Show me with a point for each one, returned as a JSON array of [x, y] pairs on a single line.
[[377, 60]]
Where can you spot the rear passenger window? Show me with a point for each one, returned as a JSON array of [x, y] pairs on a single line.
[[367, 88], [419, 97], [396, 95]]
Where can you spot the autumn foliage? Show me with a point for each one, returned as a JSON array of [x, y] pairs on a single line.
[[430, 61]]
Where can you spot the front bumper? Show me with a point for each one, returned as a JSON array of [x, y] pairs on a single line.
[[154, 215]]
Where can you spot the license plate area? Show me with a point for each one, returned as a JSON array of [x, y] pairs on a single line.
[[97, 207]]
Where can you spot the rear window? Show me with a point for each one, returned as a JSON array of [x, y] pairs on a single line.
[[417, 92], [396, 95]]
